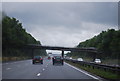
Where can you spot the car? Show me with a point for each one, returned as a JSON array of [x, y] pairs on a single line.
[[57, 59], [37, 59], [70, 58], [79, 59], [66, 57], [97, 61], [49, 57]]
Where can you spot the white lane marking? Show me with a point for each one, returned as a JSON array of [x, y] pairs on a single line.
[[43, 69], [8, 68], [4, 63], [21, 61], [81, 71], [38, 74]]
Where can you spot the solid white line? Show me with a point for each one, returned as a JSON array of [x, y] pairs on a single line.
[[82, 71], [38, 74]]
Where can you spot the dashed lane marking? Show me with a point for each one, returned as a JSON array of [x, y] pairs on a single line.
[[43, 69], [38, 74], [8, 68], [6, 63]]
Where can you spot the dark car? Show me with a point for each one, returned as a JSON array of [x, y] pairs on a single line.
[[49, 57], [37, 59], [57, 59]]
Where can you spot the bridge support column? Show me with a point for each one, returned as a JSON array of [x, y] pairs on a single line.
[[32, 53], [62, 53], [94, 56]]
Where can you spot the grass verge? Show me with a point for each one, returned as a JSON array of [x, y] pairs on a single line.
[[99, 72]]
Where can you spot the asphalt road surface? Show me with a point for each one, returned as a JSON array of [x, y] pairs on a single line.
[[26, 70]]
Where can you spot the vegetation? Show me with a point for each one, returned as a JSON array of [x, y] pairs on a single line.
[[14, 37], [107, 43], [99, 72]]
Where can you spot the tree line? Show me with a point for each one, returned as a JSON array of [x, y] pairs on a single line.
[[107, 43], [14, 36]]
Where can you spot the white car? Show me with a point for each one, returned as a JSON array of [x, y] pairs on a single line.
[[97, 61], [79, 59], [70, 58]]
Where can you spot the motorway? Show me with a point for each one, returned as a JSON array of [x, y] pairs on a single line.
[[26, 70]]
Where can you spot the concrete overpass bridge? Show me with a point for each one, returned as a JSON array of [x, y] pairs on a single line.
[[85, 49]]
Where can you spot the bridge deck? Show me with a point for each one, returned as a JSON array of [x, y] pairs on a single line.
[[35, 46]]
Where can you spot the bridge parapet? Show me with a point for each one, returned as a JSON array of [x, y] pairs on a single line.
[[86, 49]]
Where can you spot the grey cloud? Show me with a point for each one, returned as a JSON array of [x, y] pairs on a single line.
[[64, 24], [69, 14], [63, 36]]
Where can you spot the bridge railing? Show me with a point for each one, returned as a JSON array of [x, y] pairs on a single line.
[[107, 68]]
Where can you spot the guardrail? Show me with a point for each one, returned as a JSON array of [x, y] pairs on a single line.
[[113, 69]]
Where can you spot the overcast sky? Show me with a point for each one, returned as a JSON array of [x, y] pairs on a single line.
[[66, 23]]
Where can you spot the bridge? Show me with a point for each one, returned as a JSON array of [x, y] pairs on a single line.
[[85, 49]]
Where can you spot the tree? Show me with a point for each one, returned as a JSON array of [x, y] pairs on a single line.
[[14, 36], [107, 42]]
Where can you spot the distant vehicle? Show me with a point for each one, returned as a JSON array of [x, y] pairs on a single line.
[[70, 58], [97, 61], [49, 57], [79, 59], [37, 59], [57, 59], [67, 57]]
